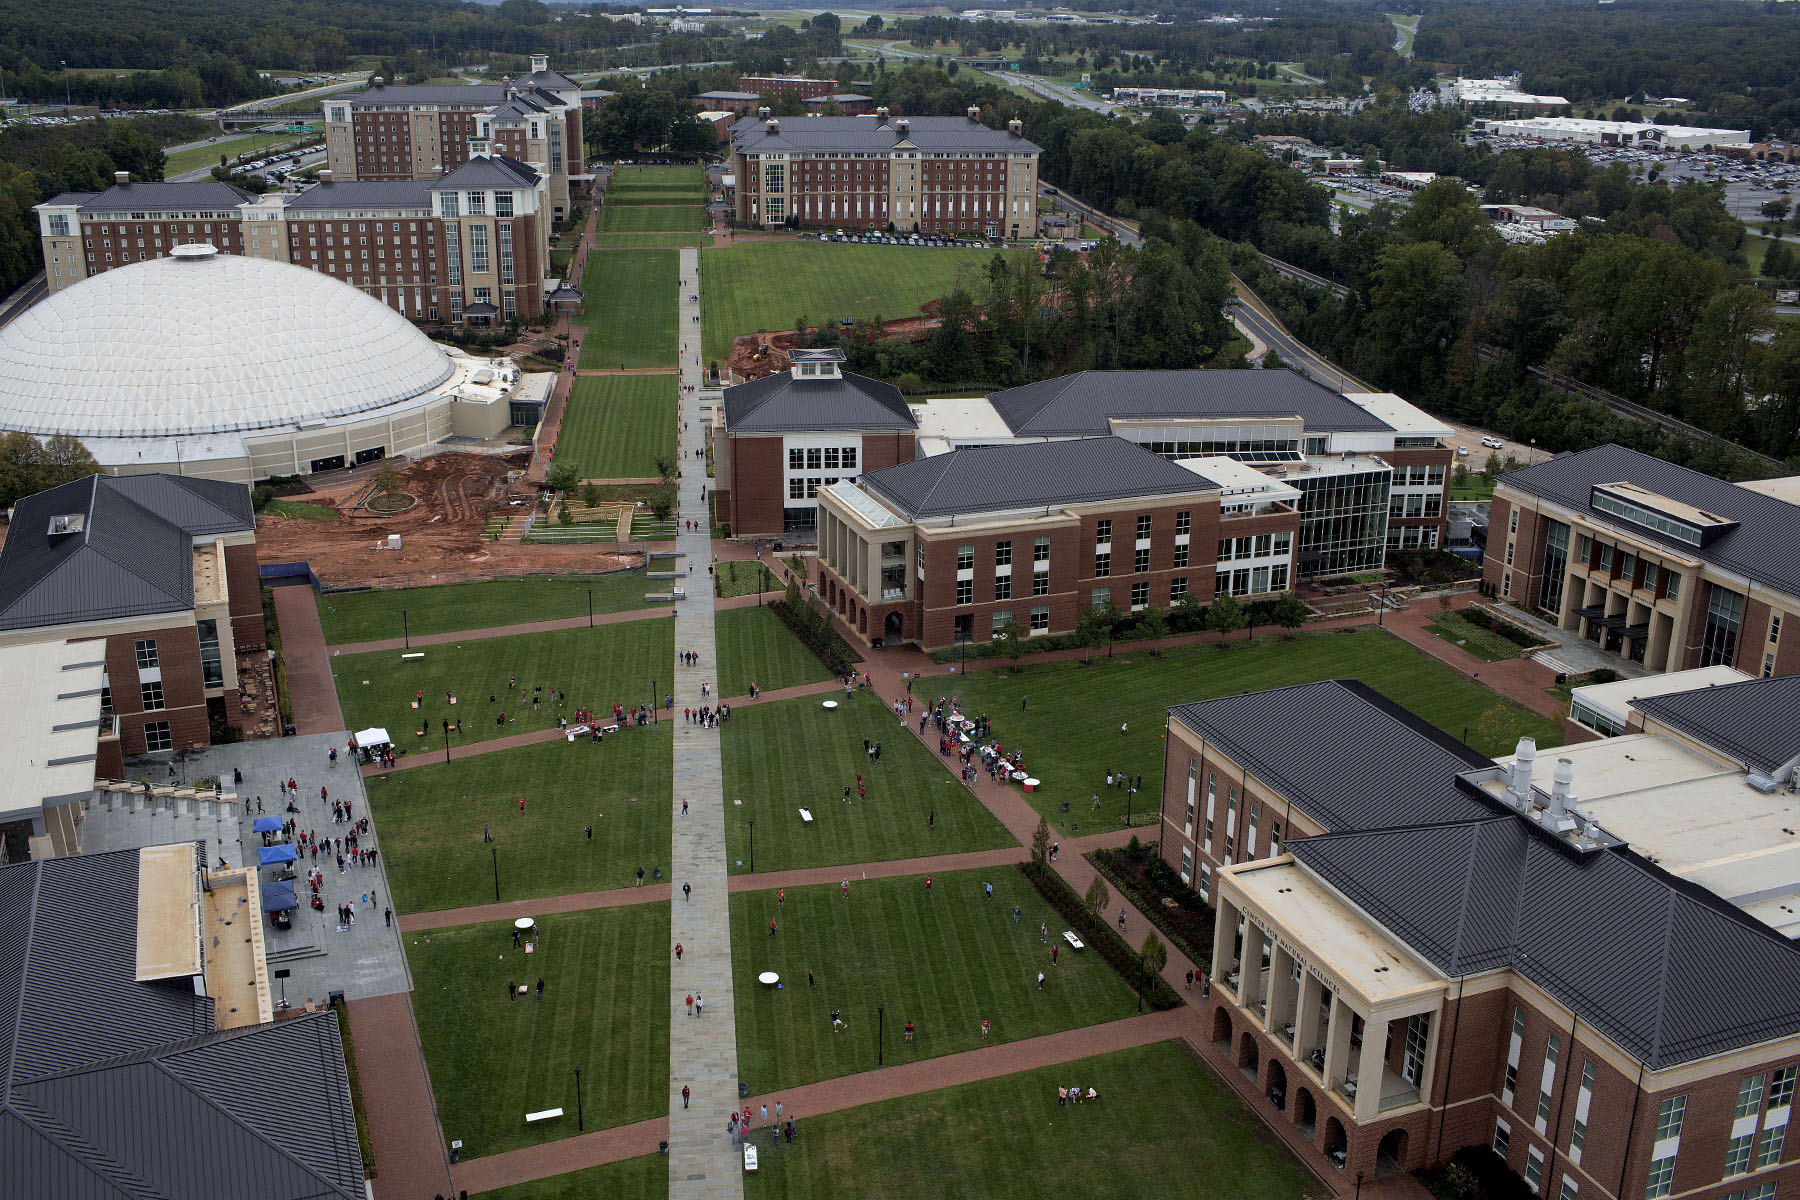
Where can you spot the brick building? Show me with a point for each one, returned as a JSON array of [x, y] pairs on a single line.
[[418, 246], [1418, 950], [787, 436], [909, 174], [1665, 567], [393, 132], [952, 547], [741, 103], [160, 568], [774, 85]]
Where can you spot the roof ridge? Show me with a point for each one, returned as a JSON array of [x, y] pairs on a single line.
[[82, 1150], [18, 1021], [1662, 979]]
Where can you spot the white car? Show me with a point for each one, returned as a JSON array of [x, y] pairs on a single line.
[[1492, 443], [1462, 452]]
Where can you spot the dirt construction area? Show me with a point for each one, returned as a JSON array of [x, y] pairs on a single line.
[[449, 535], [754, 355]]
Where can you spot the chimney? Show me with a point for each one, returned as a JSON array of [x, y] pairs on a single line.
[[774, 125], [1016, 127], [121, 177], [324, 176], [377, 81], [881, 115], [902, 127], [763, 112], [974, 114], [540, 63], [1524, 758]]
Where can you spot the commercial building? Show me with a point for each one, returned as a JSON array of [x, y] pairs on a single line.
[[1665, 567], [1174, 97], [953, 547], [1583, 964], [271, 368], [1503, 95], [141, 1055], [476, 237], [913, 175], [1619, 133], [393, 132], [789, 435], [153, 580]]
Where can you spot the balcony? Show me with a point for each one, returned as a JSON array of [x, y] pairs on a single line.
[[109, 725], [895, 593]]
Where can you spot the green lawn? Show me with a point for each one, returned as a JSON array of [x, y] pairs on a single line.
[[493, 1058], [432, 820], [600, 666], [1070, 731], [629, 309], [652, 241], [755, 647], [1161, 1115], [645, 1178], [943, 960], [480, 604], [766, 285], [616, 425], [627, 176], [739, 579], [625, 196], [652, 219], [257, 145], [779, 756], [1484, 644]]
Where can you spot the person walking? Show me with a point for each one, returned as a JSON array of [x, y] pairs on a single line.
[[846, 888], [1040, 981], [1121, 918], [1044, 932], [1015, 914], [771, 926], [809, 978], [684, 1095], [778, 1112], [1190, 979], [781, 898], [985, 1027], [684, 808], [590, 833], [699, 1004], [928, 887], [677, 951], [640, 881], [1054, 950], [540, 988], [690, 1004], [762, 1118], [512, 990]]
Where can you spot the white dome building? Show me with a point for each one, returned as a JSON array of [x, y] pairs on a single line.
[[239, 368]]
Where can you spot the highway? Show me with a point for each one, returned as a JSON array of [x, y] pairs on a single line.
[[1046, 90]]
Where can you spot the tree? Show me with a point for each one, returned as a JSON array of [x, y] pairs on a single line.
[[563, 476], [662, 499], [1776, 210], [1492, 468], [1224, 616], [1156, 956], [387, 480], [1153, 626], [1097, 896], [1011, 637], [1289, 611], [1091, 627], [1272, 361], [28, 466], [590, 494], [1040, 842], [665, 466]]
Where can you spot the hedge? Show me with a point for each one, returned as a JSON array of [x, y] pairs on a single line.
[[1096, 932], [1150, 905], [817, 635]]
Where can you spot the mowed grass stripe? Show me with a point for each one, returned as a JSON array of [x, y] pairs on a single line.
[[494, 1059], [661, 219], [629, 309], [616, 425], [631, 175], [755, 647], [478, 604], [783, 754], [943, 959], [766, 285]]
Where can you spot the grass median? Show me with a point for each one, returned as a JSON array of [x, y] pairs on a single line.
[[755, 647], [629, 309], [480, 604]]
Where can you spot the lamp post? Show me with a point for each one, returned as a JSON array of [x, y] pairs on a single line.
[[67, 103], [1359, 1185], [578, 1116], [446, 741], [405, 633], [880, 1032], [496, 851], [1141, 970], [590, 608], [655, 704], [1381, 615], [753, 845]]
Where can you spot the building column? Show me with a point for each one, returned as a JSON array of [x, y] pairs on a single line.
[[1337, 1042], [1225, 921], [1306, 1033], [1369, 1067], [1281, 992]]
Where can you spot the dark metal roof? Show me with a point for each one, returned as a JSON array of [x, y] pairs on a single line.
[[115, 1088], [75, 198], [548, 79], [489, 171], [1081, 405], [1332, 774], [132, 556], [1755, 722], [804, 135], [728, 96], [482, 94], [481, 308], [1764, 546], [1635, 952], [1021, 475], [363, 193], [781, 403], [209, 195]]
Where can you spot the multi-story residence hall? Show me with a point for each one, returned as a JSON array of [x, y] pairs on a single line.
[[954, 547], [1665, 567], [1579, 957], [393, 132], [908, 174], [470, 244]]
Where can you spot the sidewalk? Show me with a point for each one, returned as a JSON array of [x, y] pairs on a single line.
[[410, 1159], [312, 694]]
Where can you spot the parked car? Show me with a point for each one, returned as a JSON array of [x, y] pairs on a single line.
[[1462, 452], [1492, 443]]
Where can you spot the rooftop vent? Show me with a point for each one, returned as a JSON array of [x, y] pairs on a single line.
[[1016, 127], [1518, 786], [540, 62], [377, 81], [774, 125], [881, 115], [121, 177], [974, 114], [67, 523], [325, 175], [763, 112], [903, 127]]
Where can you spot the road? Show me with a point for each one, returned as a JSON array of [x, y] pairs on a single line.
[[289, 97], [1249, 316], [23, 297], [1053, 91]]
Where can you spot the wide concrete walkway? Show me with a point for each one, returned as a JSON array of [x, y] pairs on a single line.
[[702, 1050]]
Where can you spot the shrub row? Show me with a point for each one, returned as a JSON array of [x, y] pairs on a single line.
[[814, 630], [1484, 619], [1096, 932]]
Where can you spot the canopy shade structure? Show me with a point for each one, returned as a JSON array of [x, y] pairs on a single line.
[[278, 897], [270, 855], [373, 737], [266, 824]]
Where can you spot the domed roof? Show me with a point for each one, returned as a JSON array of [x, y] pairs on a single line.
[[203, 342]]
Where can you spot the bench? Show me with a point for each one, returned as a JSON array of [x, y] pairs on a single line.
[[806, 816], [414, 654], [1074, 942], [546, 1115]]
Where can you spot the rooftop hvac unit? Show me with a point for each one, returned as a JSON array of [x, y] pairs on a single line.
[[1762, 783]]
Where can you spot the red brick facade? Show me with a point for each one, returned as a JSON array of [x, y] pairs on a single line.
[[756, 495], [115, 243], [183, 692], [775, 85]]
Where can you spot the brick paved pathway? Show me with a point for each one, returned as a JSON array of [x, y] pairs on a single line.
[[702, 1053], [410, 1160], [311, 692]]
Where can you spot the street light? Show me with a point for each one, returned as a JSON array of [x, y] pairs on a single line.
[[67, 103], [590, 608], [1141, 972], [880, 1032], [753, 845], [655, 704], [405, 633], [1359, 1185], [496, 851], [446, 741], [578, 1117]]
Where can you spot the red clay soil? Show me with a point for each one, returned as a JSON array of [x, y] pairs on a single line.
[[441, 536], [755, 355]]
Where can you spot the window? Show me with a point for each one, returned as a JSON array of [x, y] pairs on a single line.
[[1774, 629], [478, 249], [796, 460], [1102, 597], [1534, 1168], [1737, 1153], [1003, 587], [1606, 559], [156, 736], [1178, 589], [1762, 1191], [1669, 1118], [1040, 620], [1143, 526], [1141, 561], [503, 204], [1003, 554], [1584, 1099], [1187, 864], [1512, 1057], [1000, 616], [152, 693], [506, 254], [211, 670], [1205, 888], [849, 458], [1140, 595], [1674, 592], [965, 558], [1749, 1101], [1224, 550], [146, 654], [1548, 1081], [1181, 555], [1502, 1138], [1569, 1188], [965, 591], [1102, 565], [1724, 618], [1102, 532], [796, 489], [1040, 552], [453, 257]]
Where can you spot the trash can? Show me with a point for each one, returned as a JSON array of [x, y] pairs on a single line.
[[743, 1090]]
